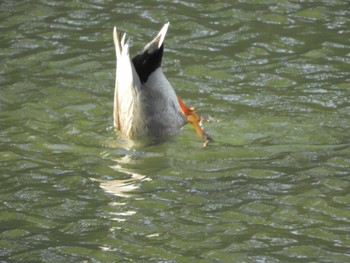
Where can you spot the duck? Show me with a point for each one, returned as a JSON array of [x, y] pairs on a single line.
[[145, 103]]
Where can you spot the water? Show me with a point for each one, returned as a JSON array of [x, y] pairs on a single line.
[[273, 187]]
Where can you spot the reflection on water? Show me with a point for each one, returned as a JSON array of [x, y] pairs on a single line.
[[128, 155], [122, 187]]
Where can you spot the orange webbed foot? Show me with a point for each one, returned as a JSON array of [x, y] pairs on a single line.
[[196, 120]]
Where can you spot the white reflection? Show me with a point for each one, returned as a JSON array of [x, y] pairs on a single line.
[[120, 216], [107, 248], [123, 187], [153, 235], [127, 160]]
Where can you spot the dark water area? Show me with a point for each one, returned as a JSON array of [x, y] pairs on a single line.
[[274, 186]]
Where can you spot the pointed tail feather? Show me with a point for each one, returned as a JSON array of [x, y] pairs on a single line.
[[157, 42], [119, 42]]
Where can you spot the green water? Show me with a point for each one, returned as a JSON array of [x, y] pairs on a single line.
[[273, 187]]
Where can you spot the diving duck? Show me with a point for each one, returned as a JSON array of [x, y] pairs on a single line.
[[145, 103]]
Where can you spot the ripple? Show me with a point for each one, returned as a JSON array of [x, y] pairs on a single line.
[[272, 187]]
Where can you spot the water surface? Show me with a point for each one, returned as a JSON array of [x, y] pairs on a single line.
[[273, 187]]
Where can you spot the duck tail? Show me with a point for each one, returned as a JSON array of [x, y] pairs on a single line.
[[119, 42], [157, 42], [120, 48], [126, 80]]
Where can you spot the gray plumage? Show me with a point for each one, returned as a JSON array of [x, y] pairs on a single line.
[[145, 104]]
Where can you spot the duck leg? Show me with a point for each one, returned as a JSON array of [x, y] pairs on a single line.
[[195, 119]]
